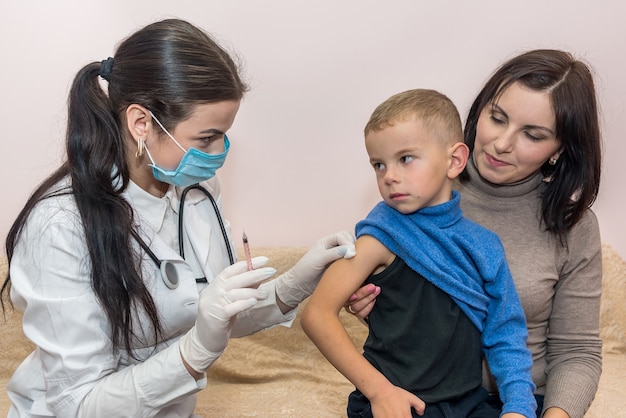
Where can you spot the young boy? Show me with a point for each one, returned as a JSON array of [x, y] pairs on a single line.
[[448, 296]]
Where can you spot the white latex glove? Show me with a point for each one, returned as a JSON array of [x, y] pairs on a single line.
[[298, 283], [232, 291]]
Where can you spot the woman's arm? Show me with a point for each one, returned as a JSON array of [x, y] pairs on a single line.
[[294, 285], [321, 323], [362, 301], [50, 275], [574, 346]]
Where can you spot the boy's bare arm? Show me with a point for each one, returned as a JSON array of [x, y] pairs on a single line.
[[320, 318], [321, 323]]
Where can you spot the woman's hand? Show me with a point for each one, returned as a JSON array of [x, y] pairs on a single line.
[[298, 283], [233, 291], [362, 301]]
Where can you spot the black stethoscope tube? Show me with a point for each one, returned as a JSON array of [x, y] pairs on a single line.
[[168, 271], [181, 207]]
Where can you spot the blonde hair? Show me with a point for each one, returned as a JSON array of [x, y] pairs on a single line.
[[435, 110]]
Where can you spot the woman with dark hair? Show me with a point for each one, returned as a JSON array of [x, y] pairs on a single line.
[[127, 300], [533, 174]]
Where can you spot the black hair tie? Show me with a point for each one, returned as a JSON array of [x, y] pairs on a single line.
[[105, 68]]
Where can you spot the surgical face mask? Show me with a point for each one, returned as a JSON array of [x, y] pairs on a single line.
[[194, 167]]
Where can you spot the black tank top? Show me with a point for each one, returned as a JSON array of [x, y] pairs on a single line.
[[420, 339]]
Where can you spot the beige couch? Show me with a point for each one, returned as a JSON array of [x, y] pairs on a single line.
[[280, 373]]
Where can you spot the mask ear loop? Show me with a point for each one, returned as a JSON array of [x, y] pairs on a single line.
[[149, 155], [165, 130]]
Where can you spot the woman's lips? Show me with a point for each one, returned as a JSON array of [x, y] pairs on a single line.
[[494, 161]]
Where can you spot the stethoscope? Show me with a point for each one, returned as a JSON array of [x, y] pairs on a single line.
[[167, 268]]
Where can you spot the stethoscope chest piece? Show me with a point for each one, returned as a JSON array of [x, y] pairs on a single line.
[[169, 274], [167, 268]]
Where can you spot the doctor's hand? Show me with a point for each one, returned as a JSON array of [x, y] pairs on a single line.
[[298, 283], [231, 292]]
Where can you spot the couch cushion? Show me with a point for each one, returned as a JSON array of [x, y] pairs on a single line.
[[279, 372], [613, 307]]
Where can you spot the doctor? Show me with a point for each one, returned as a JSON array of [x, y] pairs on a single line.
[[110, 257]]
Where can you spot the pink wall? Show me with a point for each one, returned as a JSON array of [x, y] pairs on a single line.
[[297, 168]]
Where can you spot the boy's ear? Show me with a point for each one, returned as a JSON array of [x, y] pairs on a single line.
[[459, 153]]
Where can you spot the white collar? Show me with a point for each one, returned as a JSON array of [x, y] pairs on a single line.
[[150, 208]]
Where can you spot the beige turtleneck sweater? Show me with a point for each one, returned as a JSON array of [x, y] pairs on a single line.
[[559, 287]]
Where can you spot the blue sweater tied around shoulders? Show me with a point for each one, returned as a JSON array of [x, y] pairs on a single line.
[[467, 261]]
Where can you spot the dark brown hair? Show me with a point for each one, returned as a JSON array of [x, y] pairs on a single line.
[[569, 83]]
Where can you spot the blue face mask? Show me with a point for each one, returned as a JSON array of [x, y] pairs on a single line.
[[194, 167]]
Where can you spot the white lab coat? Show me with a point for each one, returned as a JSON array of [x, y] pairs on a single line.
[[73, 371]]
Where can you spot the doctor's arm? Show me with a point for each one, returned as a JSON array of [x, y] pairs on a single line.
[[161, 376], [78, 368], [293, 286], [81, 374]]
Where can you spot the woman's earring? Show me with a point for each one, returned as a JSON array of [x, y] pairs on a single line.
[[552, 161], [140, 147]]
